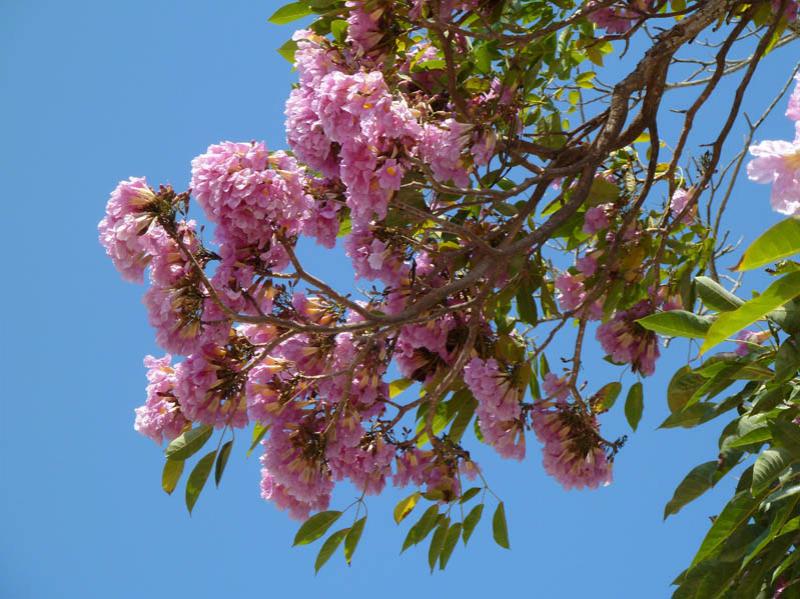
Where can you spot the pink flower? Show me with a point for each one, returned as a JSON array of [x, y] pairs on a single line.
[[124, 227], [571, 292], [746, 340], [587, 265], [596, 218], [441, 147], [323, 223], [160, 417], [555, 387], [363, 31], [248, 193], [678, 203], [499, 408], [627, 342], [778, 163], [483, 149], [617, 20], [390, 175], [305, 134], [209, 388], [290, 479], [572, 451], [373, 258]]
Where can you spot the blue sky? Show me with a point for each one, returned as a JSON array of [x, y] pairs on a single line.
[[93, 92]]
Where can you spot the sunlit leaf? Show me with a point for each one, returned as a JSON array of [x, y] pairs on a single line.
[[290, 12], [171, 475], [316, 526], [676, 323], [730, 323], [715, 296], [329, 547], [352, 539], [768, 466], [405, 506], [500, 527], [779, 241], [197, 479], [634, 405], [189, 443], [222, 461], [699, 480]]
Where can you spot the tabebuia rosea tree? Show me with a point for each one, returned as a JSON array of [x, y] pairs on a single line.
[[501, 174]]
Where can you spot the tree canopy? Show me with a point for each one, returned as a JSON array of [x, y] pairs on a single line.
[[501, 174]]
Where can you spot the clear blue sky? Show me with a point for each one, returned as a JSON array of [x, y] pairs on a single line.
[[93, 92]]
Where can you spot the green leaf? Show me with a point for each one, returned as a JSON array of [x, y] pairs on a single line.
[[290, 12], [757, 435], [422, 528], [776, 525], [437, 541], [607, 396], [453, 534], [329, 547], [471, 521], [187, 444], [699, 480], [730, 323], [287, 50], [585, 80], [259, 430], [525, 304], [316, 526], [464, 414], [634, 405], [768, 466], [469, 494], [500, 527], [676, 323], [352, 539], [715, 296], [398, 386], [787, 435], [682, 387], [339, 30], [405, 506], [779, 241], [691, 416], [171, 475], [197, 479], [222, 461], [734, 514]]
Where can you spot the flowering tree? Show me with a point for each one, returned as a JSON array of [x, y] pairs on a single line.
[[491, 179]]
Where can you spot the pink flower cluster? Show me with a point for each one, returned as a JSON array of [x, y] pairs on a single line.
[[777, 162], [210, 389], [677, 205], [596, 218], [252, 197], [123, 230], [618, 19], [572, 453], [160, 417], [373, 258], [350, 126], [627, 342], [363, 29], [499, 406], [747, 339], [421, 348], [442, 147], [572, 292]]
